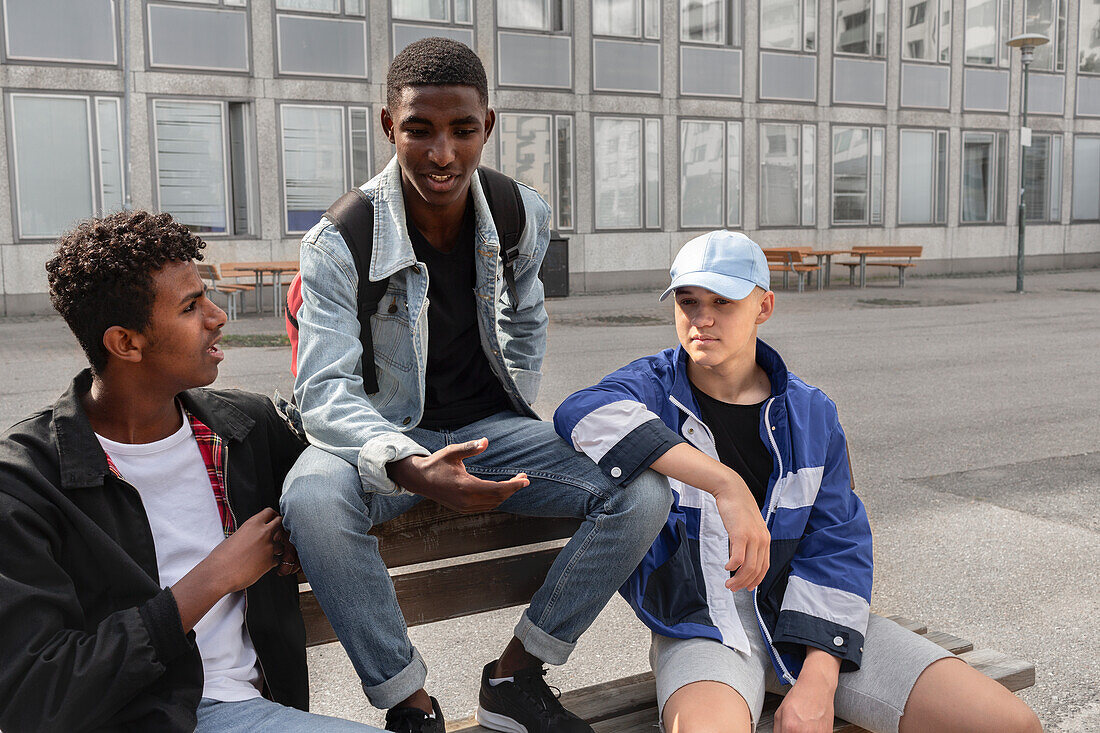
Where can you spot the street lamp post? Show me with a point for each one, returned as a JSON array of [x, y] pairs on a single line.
[[1027, 43]]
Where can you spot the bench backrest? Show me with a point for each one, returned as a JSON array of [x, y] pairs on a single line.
[[785, 255], [445, 564], [208, 271], [891, 251]]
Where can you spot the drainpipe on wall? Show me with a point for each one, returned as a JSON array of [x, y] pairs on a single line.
[[128, 203]]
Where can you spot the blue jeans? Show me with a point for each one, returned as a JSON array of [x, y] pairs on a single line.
[[259, 713], [329, 514]]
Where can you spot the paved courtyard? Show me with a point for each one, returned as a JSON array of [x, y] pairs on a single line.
[[973, 416]]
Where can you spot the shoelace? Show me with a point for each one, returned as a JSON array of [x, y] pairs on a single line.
[[417, 720], [535, 689]]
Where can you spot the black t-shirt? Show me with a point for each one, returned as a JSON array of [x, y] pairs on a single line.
[[460, 387], [736, 430]]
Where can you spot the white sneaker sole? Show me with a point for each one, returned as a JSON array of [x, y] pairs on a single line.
[[496, 721]]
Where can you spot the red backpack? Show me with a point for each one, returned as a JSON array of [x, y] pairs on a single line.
[[353, 217]]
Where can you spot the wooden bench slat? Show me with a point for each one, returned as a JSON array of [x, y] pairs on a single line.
[[430, 532], [950, 642], [449, 592], [907, 623], [1015, 674]]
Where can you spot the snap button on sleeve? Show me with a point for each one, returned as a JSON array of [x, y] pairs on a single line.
[[838, 641], [616, 472], [406, 421]]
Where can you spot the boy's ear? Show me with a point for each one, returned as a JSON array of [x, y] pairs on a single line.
[[387, 124], [124, 344], [490, 121], [767, 307]]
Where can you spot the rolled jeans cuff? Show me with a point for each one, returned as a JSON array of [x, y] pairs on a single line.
[[399, 687], [537, 642]]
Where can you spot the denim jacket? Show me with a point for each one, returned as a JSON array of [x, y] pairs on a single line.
[[369, 430]]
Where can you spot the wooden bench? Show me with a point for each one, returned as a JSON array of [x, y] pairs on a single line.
[[440, 570], [215, 281], [901, 258], [788, 260]]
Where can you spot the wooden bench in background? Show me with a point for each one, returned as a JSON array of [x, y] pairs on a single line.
[[216, 281], [788, 260], [900, 257], [440, 570]]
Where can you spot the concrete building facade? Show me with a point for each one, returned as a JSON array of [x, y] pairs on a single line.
[[828, 123]]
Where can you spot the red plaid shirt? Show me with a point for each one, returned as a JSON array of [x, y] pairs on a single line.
[[210, 446]]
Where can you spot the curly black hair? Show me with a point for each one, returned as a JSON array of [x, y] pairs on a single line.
[[435, 61], [102, 273]]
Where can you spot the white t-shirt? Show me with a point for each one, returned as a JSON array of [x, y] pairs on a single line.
[[170, 476]]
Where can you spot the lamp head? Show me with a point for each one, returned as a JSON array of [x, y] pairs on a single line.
[[1027, 43]]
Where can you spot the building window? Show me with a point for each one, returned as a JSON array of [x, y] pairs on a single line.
[[1088, 38], [333, 7], [787, 174], [926, 30], [436, 11], [204, 164], [1086, 178], [861, 27], [711, 21], [325, 151], [538, 150], [857, 175], [922, 177], [61, 30], [988, 26], [227, 3], [710, 174], [789, 25], [627, 172], [1048, 17], [627, 18], [66, 161], [331, 40], [538, 15], [1043, 178], [983, 177]]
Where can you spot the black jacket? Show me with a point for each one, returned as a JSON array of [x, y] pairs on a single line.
[[88, 638]]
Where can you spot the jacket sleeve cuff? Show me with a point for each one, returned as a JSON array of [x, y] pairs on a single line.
[[377, 452], [161, 616], [796, 630], [636, 450]]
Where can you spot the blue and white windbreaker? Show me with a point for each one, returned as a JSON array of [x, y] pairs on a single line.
[[818, 588]]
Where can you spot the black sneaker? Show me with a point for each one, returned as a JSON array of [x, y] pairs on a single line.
[[527, 705], [415, 720]]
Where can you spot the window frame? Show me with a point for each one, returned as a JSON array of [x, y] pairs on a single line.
[[871, 54], [803, 4], [804, 222], [1073, 178], [276, 43], [342, 12], [1002, 27], [733, 26], [939, 35], [348, 171], [1053, 188], [555, 159], [870, 176], [643, 170], [566, 12], [219, 6], [91, 101], [252, 194], [6, 58], [726, 222], [936, 133], [431, 21], [643, 15], [1059, 40], [1080, 30], [999, 209]]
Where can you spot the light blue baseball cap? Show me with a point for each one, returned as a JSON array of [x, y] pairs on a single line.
[[724, 262]]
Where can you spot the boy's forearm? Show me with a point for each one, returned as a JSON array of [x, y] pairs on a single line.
[[820, 670], [686, 463]]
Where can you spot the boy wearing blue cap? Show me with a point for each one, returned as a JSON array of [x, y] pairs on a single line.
[[749, 447]]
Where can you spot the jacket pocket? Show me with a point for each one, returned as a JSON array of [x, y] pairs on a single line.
[[675, 592]]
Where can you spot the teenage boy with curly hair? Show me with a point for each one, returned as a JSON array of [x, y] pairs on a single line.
[[724, 415], [146, 582]]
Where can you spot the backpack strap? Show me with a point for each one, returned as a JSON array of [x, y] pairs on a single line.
[[509, 217], [353, 216]]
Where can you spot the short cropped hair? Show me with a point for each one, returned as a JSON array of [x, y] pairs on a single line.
[[435, 61], [102, 273]]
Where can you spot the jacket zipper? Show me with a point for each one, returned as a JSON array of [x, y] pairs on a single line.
[[229, 506], [787, 676]]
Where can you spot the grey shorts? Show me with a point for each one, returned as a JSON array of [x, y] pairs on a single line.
[[873, 697]]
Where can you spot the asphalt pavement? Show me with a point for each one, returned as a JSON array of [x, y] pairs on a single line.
[[973, 419]]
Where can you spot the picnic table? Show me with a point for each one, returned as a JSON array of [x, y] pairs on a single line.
[[258, 270], [825, 255], [900, 257]]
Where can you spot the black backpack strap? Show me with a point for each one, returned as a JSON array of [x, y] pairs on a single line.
[[353, 216], [509, 217]]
